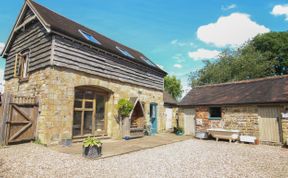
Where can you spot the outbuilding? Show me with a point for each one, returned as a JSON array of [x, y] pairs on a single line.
[[255, 107]]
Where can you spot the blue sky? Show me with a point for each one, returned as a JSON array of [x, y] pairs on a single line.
[[177, 35]]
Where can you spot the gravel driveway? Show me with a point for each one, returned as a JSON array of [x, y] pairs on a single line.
[[191, 158]]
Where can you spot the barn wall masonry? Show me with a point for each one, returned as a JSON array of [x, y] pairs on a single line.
[[55, 89]]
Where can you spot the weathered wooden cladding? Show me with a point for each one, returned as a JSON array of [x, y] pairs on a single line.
[[72, 55], [46, 50], [35, 39], [28, 14]]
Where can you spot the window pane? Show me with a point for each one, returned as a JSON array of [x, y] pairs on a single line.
[[88, 105], [89, 37], [147, 61], [78, 104], [153, 108], [89, 95], [87, 122], [79, 94], [126, 53], [100, 113], [215, 112], [25, 66], [77, 123]]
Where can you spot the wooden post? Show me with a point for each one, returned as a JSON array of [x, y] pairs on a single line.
[[5, 118]]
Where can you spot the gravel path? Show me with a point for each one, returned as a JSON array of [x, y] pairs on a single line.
[[192, 158]]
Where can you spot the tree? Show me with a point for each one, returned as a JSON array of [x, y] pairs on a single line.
[[265, 55], [173, 86], [273, 46]]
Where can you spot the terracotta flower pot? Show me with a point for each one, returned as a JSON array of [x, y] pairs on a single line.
[[257, 142]]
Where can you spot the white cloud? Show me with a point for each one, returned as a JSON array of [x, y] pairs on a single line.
[[181, 43], [280, 10], [160, 66], [229, 7], [1, 46], [233, 30], [201, 54], [179, 58], [179, 66]]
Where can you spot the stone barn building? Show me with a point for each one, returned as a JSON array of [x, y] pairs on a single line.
[[255, 107], [78, 76]]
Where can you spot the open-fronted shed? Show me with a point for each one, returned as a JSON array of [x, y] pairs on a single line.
[[133, 126]]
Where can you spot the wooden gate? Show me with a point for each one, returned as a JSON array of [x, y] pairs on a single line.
[[269, 124], [19, 116]]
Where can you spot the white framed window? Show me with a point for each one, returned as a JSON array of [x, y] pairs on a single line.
[[126, 53], [89, 37], [147, 61]]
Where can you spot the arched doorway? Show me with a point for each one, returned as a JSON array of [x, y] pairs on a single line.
[[89, 111]]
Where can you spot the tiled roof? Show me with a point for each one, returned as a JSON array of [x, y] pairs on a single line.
[[264, 90], [63, 25]]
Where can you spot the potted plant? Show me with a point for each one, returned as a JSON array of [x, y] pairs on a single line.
[[92, 147], [178, 131], [124, 107]]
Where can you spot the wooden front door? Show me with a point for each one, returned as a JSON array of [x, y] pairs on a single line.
[[189, 121], [169, 116], [268, 124], [22, 124], [89, 113]]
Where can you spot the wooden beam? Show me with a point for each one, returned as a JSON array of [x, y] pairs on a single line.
[[19, 132], [30, 19]]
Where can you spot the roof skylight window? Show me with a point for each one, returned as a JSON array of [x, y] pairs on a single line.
[[126, 53], [89, 37], [147, 61]]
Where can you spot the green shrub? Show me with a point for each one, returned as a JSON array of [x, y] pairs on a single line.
[[92, 141], [38, 142], [178, 130], [124, 107]]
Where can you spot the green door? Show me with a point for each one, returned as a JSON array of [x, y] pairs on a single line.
[[153, 118]]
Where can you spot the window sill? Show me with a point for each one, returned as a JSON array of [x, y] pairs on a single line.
[[214, 118]]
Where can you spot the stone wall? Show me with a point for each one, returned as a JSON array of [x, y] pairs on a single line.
[[55, 89], [285, 130], [181, 117], [175, 117], [243, 118]]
